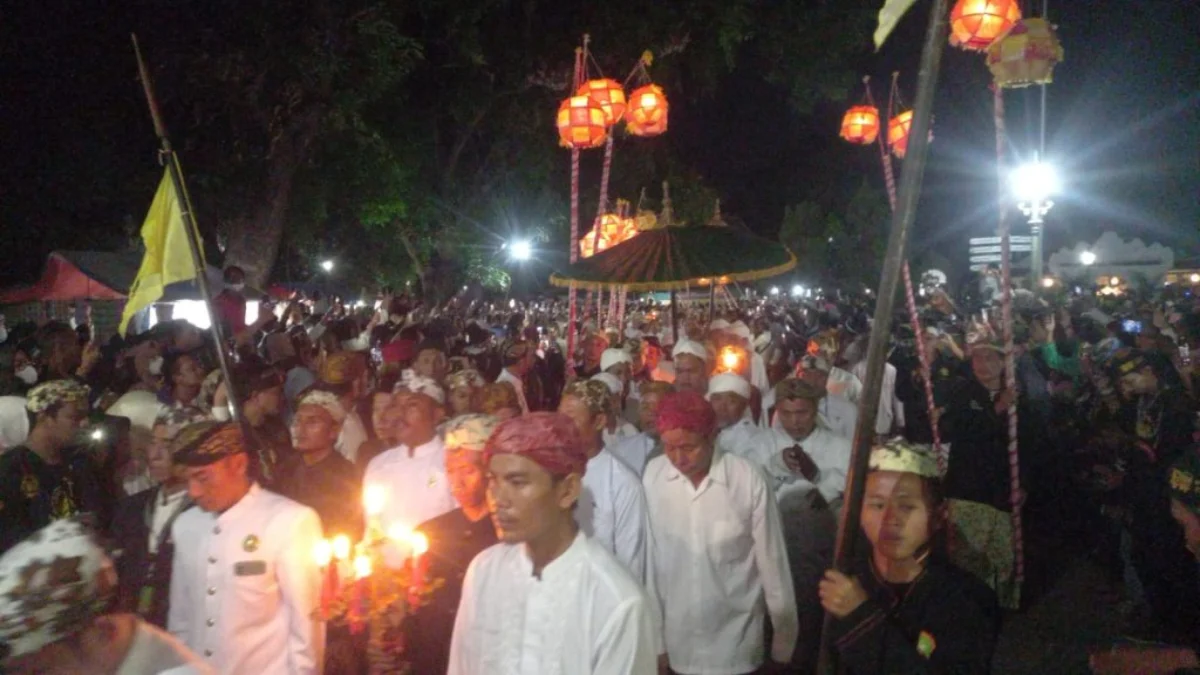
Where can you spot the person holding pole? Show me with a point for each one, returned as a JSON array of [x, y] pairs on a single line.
[[904, 609]]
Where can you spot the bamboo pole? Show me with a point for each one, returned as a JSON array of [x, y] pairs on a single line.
[[902, 221], [189, 224], [580, 55]]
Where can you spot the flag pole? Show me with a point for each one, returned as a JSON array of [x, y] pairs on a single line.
[[189, 225], [902, 222]]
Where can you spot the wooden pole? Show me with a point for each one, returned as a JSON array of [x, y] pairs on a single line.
[[189, 224], [902, 221]]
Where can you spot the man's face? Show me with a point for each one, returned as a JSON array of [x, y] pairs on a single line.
[[1190, 522], [219, 485], [314, 429], [271, 400], [414, 418], [188, 372], [589, 425], [595, 350], [460, 400], [1140, 382], [638, 362], [987, 364], [798, 416], [66, 354], [729, 407], [65, 423], [431, 363], [691, 374], [895, 517], [158, 455], [689, 452], [525, 500], [468, 477], [651, 355], [379, 406], [648, 413]]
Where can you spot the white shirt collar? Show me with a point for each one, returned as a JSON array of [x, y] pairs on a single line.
[[243, 505], [560, 567]]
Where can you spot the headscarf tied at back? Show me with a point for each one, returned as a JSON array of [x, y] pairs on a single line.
[[686, 410], [549, 439]]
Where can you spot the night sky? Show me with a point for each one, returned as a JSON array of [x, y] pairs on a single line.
[[1124, 114]]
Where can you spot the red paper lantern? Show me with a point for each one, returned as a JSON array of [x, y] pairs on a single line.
[[861, 124], [581, 123], [647, 112], [975, 24], [898, 130], [609, 94]]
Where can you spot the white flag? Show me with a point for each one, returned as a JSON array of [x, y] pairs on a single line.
[[889, 16]]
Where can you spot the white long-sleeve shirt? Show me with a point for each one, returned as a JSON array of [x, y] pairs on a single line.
[[244, 586], [829, 451], [636, 452], [891, 410], [416, 487], [612, 511], [745, 439], [583, 615], [720, 567]]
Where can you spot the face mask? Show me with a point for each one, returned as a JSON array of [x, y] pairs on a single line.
[[237, 288], [28, 375]]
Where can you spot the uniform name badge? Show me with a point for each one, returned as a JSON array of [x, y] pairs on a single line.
[[250, 568]]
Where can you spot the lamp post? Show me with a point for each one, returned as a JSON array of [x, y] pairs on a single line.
[[327, 266], [1033, 184]]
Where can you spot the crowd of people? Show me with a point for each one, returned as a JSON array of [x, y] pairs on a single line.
[[663, 500]]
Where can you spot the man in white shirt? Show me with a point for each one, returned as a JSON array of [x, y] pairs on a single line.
[[729, 395], [413, 474], [519, 358], [243, 583], [890, 419], [54, 589], [834, 412], [743, 338], [638, 450], [547, 600], [344, 374], [612, 507], [616, 429], [720, 563], [691, 366]]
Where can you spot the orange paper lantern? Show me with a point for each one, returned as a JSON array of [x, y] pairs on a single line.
[[647, 112], [861, 124], [898, 130], [975, 24], [610, 96], [1026, 55], [610, 227], [581, 123]]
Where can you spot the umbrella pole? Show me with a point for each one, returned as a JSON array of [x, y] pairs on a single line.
[[674, 320], [902, 221], [712, 301]]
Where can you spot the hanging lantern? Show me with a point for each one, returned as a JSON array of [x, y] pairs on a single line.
[[898, 130], [610, 227], [581, 123], [609, 95], [587, 245], [975, 24], [647, 112], [861, 124], [1025, 55]]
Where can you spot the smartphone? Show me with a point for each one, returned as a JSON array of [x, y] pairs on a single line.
[[1131, 326]]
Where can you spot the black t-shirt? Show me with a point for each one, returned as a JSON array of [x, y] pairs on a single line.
[[33, 493]]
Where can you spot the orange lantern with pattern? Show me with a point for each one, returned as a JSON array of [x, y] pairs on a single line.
[[975, 24], [609, 95], [898, 130], [860, 125], [647, 112], [581, 123]]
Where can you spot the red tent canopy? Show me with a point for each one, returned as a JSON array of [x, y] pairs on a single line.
[[61, 280]]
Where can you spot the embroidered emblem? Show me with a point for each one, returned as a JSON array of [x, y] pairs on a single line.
[[250, 543], [926, 644], [29, 486], [432, 480]]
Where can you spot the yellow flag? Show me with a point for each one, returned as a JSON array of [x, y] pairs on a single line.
[[889, 16], [168, 254]]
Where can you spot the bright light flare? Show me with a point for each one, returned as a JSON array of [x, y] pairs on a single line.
[[420, 543], [1087, 258], [730, 359], [1048, 282], [1195, 278], [797, 290], [373, 500], [341, 547], [327, 265], [521, 250], [1034, 182], [322, 552], [774, 290], [98, 435], [362, 567]]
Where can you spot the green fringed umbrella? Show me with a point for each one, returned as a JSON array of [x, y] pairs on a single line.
[[672, 258]]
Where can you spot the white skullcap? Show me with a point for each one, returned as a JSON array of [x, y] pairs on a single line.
[[729, 383], [419, 384], [741, 330], [609, 380], [690, 347], [326, 400], [718, 324], [611, 357]]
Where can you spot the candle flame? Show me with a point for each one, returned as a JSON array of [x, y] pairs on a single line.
[[730, 359], [323, 552], [420, 543], [373, 500], [341, 547], [398, 533], [362, 567]]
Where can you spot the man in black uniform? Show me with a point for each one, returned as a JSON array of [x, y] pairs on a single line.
[[318, 476]]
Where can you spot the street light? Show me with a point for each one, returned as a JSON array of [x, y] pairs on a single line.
[[797, 290], [774, 290], [1048, 282], [1087, 258], [327, 265], [1033, 184], [521, 250]]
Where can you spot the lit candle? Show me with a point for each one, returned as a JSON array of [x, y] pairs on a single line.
[[341, 547], [374, 498], [323, 552], [420, 566]]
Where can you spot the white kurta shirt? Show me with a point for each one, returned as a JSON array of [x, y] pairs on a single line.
[[416, 487], [612, 511], [624, 430], [829, 451], [636, 452], [745, 439], [720, 566], [517, 384], [155, 652], [583, 615], [891, 410], [352, 436], [244, 586]]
